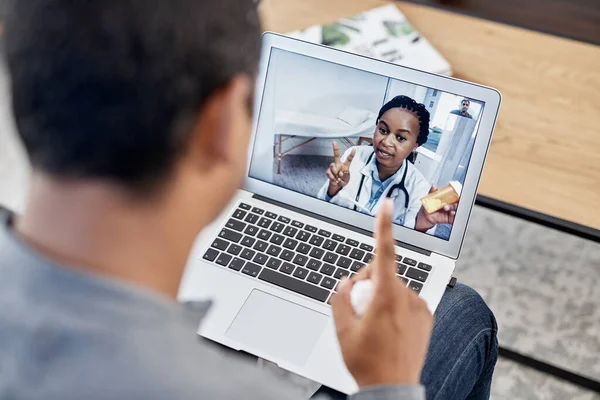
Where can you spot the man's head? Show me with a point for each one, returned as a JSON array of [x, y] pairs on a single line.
[[464, 105], [130, 92]]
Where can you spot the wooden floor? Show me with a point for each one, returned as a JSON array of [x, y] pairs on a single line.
[[576, 19]]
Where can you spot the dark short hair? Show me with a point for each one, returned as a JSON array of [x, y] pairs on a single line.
[[465, 99], [410, 105], [108, 89]]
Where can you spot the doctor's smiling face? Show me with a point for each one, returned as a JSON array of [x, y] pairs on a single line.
[[398, 133]]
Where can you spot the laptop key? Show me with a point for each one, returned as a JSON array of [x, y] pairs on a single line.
[[261, 246], [401, 268], [339, 273], [260, 258], [310, 228], [416, 286], [303, 248], [317, 253], [403, 279], [287, 268], [251, 269], [258, 211], [283, 219], [245, 206], [424, 266], [295, 285], [223, 259], [356, 266], [316, 240], [239, 214], [277, 227], [352, 242], [210, 255], [264, 222], [277, 239], [357, 254], [328, 282], [303, 235], [236, 264], [230, 235], [234, 249], [290, 244], [271, 215], [368, 257], [287, 255], [343, 249], [327, 269], [251, 230], [330, 258], [264, 234], [297, 224], [329, 245], [366, 247], [314, 264], [290, 231], [220, 244], [274, 263], [410, 261], [300, 273], [248, 241], [300, 260], [314, 277], [235, 225], [417, 274], [339, 238], [251, 218], [273, 250], [344, 262], [248, 254], [398, 257], [325, 233]]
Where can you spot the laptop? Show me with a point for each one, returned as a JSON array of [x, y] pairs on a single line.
[[273, 259]]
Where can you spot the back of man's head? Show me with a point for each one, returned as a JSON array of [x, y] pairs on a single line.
[[108, 89]]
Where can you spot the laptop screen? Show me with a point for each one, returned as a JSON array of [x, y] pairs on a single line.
[[354, 138]]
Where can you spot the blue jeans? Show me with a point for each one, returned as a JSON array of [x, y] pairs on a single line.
[[463, 349]]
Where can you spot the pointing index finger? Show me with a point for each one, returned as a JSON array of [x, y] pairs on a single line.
[[336, 153], [385, 260]]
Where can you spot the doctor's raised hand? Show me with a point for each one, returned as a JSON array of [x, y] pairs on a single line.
[[338, 171]]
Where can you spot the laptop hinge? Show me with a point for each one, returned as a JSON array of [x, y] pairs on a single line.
[[338, 223]]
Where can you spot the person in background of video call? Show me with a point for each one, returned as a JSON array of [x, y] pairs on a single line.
[[464, 107], [365, 176]]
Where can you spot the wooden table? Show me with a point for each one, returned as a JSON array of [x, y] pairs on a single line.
[[545, 155]]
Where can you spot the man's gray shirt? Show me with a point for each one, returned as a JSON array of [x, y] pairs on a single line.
[[65, 334]]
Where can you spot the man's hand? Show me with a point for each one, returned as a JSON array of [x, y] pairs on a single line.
[[388, 344], [427, 221], [338, 171]]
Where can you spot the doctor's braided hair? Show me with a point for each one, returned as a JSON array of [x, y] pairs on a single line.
[[412, 106]]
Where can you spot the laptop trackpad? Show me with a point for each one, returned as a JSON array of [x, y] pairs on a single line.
[[278, 327]]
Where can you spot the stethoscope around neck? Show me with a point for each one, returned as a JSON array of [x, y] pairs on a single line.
[[398, 186]]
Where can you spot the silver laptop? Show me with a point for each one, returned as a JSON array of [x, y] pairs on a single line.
[[272, 260]]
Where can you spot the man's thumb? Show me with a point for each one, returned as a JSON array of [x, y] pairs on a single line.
[[343, 312]]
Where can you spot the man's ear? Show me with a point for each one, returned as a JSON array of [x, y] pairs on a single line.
[[216, 128]]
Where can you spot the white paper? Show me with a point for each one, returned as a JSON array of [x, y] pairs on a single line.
[[382, 33]]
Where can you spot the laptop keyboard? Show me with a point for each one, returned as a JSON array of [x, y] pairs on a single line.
[[296, 256]]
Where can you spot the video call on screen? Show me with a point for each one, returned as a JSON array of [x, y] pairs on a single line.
[[309, 104]]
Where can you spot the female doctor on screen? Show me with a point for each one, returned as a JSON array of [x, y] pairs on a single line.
[[365, 175]]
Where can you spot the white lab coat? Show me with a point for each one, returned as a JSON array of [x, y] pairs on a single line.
[[415, 183]]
